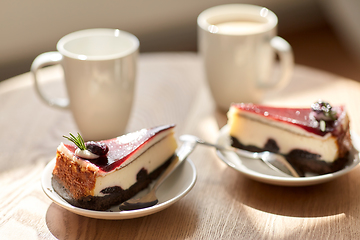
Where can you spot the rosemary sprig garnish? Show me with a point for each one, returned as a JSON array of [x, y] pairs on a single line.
[[322, 125], [332, 115], [79, 141], [323, 114]]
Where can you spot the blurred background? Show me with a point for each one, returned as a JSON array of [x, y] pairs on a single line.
[[324, 34]]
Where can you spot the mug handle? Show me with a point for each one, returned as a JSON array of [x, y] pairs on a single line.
[[283, 49], [48, 59]]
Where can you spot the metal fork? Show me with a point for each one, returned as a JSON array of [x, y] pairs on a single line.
[[275, 161]]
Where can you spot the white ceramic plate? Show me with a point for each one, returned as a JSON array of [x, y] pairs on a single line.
[[175, 187], [257, 170]]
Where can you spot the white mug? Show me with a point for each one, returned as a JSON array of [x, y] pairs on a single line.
[[100, 74], [238, 43]]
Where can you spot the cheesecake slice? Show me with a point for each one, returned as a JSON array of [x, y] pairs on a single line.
[[315, 140], [112, 171]]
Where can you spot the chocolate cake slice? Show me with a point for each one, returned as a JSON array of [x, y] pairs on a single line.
[[108, 172], [315, 140]]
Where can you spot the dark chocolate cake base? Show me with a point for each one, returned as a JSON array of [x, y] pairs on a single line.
[[114, 195], [302, 161]]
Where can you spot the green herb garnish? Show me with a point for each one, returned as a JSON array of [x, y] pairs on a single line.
[[323, 111], [322, 125], [324, 114], [79, 141]]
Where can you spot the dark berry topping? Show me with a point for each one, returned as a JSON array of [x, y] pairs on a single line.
[[97, 148], [100, 161], [323, 111]]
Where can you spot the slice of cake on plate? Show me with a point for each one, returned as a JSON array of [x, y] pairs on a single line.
[[315, 140], [98, 175]]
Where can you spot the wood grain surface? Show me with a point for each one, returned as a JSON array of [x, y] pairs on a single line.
[[223, 204]]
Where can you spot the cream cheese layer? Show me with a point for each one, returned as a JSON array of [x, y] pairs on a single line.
[[255, 130], [150, 160]]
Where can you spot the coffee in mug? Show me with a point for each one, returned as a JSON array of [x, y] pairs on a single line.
[[238, 43]]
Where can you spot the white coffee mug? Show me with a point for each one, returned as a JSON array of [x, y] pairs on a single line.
[[100, 73], [238, 43]]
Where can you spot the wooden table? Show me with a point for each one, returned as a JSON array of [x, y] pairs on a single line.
[[223, 204]]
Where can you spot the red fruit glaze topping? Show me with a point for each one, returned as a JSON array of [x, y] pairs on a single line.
[[301, 117], [123, 147]]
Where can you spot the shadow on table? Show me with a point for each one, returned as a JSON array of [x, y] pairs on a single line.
[[64, 224], [326, 199]]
